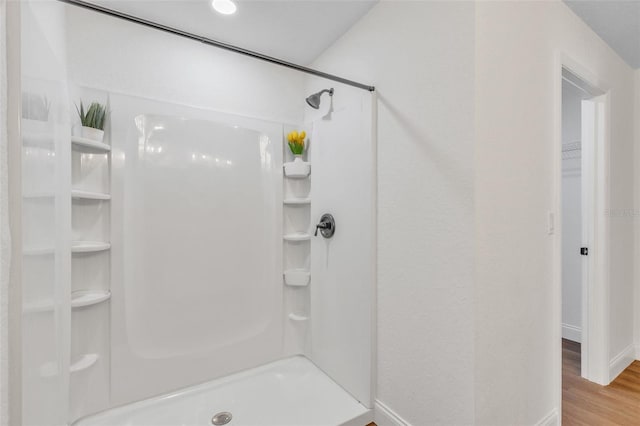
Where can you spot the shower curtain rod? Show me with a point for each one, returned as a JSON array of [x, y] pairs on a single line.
[[215, 43]]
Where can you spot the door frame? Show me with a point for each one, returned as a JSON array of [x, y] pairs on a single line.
[[595, 303]]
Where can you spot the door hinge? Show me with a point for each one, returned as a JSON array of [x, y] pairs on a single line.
[[584, 251]]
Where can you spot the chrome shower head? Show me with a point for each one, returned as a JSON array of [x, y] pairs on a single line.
[[314, 100]]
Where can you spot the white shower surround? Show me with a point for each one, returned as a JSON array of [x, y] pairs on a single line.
[[196, 278], [257, 90]]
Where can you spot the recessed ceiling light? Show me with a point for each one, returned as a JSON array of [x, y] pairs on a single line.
[[226, 7]]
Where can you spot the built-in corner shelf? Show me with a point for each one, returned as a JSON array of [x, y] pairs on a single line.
[[297, 277], [88, 195], [82, 298], [297, 169], [298, 236], [91, 144], [89, 246], [79, 299], [83, 363], [76, 247], [296, 201], [50, 369], [298, 318]]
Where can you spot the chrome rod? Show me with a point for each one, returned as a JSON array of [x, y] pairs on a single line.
[[216, 43]]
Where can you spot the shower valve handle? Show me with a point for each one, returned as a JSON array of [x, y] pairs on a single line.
[[327, 226]]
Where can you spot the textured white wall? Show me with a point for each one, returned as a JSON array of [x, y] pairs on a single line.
[[517, 331], [441, 361], [5, 240], [571, 215], [420, 56], [637, 212]]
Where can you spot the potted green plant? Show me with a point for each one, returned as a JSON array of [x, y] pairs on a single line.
[[92, 121]]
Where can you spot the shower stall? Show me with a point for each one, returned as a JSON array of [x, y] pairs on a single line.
[[171, 273]]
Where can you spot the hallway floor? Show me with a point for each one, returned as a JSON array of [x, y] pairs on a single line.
[[586, 403]]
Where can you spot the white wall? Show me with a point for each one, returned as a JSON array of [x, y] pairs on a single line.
[[420, 56], [135, 61], [637, 213], [571, 215], [458, 344], [517, 101]]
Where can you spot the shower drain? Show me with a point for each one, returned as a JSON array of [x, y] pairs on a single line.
[[221, 418]]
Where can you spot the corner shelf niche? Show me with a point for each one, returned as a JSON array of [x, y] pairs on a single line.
[[89, 195], [79, 299], [89, 246], [90, 274], [79, 142], [298, 318], [297, 236], [296, 201], [297, 169], [297, 277], [50, 369], [83, 363], [82, 298]]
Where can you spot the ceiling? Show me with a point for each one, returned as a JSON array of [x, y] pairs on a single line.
[[617, 22], [297, 31]]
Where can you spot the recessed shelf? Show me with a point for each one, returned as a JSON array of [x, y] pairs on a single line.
[[296, 201], [83, 363], [91, 144], [79, 299], [89, 246], [298, 236], [50, 369], [76, 247], [88, 195], [296, 317], [297, 169], [297, 277], [82, 298]]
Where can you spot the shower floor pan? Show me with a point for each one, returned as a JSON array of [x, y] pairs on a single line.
[[288, 392]]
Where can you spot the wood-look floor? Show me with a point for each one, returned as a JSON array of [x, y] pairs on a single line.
[[586, 403]]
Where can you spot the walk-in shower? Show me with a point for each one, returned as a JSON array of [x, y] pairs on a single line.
[[170, 271]]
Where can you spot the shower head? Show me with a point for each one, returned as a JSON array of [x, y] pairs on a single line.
[[314, 100]]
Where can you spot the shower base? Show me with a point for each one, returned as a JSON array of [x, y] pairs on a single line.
[[288, 392]]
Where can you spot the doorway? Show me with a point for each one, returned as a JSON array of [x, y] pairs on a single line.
[[584, 248]]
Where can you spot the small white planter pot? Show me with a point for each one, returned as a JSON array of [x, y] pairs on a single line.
[[91, 133]]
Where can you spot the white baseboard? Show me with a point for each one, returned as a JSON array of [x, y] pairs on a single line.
[[637, 346], [385, 416], [571, 332], [551, 419], [621, 361]]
